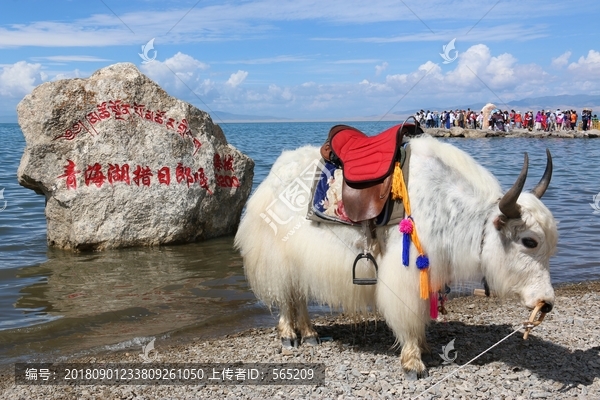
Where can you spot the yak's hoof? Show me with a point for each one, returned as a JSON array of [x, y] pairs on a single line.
[[311, 341], [289, 343], [414, 375]]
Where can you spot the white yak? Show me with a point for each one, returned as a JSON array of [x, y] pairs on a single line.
[[465, 224]]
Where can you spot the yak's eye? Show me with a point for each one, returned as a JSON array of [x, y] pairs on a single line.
[[529, 243]]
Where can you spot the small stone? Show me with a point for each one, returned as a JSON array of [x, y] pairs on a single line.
[[540, 395], [286, 352]]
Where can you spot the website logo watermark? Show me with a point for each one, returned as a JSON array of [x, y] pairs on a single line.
[[446, 355], [3, 203], [147, 349], [447, 48], [595, 205], [295, 197], [145, 50]]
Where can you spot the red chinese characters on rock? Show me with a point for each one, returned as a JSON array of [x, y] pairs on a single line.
[[184, 174], [71, 175], [217, 163], [117, 173], [224, 165], [228, 163], [164, 176], [201, 178], [93, 175], [142, 175], [227, 181]]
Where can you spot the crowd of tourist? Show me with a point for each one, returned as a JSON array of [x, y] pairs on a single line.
[[543, 120]]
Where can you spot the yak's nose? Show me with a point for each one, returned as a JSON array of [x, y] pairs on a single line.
[[546, 308]]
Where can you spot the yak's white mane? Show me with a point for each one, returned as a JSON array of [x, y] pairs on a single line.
[[451, 197], [480, 178]]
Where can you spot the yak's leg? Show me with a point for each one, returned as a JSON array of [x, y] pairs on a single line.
[[287, 317], [410, 357], [308, 333], [425, 347], [404, 312]]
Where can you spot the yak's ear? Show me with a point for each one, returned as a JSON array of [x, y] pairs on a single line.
[[500, 221]]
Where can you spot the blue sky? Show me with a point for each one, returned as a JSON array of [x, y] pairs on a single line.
[[305, 59]]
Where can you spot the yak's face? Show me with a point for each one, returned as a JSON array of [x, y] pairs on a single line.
[[523, 237], [518, 260]]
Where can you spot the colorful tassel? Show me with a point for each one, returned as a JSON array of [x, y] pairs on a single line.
[[424, 283], [422, 262], [406, 227], [409, 232], [397, 182], [433, 306], [405, 249]]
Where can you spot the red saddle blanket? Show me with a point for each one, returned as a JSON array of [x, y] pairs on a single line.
[[366, 158]]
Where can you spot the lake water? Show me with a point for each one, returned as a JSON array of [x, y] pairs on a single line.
[[55, 303]]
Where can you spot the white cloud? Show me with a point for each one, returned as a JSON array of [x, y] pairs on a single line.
[[356, 61], [269, 60], [65, 59], [477, 69], [182, 63], [21, 78], [212, 21], [182, 76], [69, 75], [237, 78], [176, 70], [380, 68], [497, 33], [589, 65], [561, 60]]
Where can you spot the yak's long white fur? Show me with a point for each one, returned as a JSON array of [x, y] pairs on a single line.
[[454, 204]]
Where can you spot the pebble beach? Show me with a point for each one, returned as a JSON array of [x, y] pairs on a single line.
[[560, 360]]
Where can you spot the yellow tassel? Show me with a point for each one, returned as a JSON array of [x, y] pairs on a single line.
[[397, 182], [424, 283]]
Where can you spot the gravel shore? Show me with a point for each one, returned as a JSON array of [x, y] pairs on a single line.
[[560, 360]]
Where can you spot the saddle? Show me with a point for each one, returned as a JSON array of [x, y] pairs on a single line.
[[367, 163]]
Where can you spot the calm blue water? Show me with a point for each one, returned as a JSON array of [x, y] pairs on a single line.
[[54, 303]]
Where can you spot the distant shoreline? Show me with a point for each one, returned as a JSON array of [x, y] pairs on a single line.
[[457, 132]]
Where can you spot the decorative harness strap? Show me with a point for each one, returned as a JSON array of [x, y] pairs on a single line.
[[409, 231]]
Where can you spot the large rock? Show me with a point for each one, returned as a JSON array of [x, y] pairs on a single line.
[[122, 163]]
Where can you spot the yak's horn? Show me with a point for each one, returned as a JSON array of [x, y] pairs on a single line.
[[508, 203], [541, 187]]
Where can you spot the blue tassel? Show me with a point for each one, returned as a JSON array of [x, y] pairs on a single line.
[[422, 262], [405, 249]]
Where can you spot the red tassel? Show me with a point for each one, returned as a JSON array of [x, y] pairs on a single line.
[[433, 305]]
